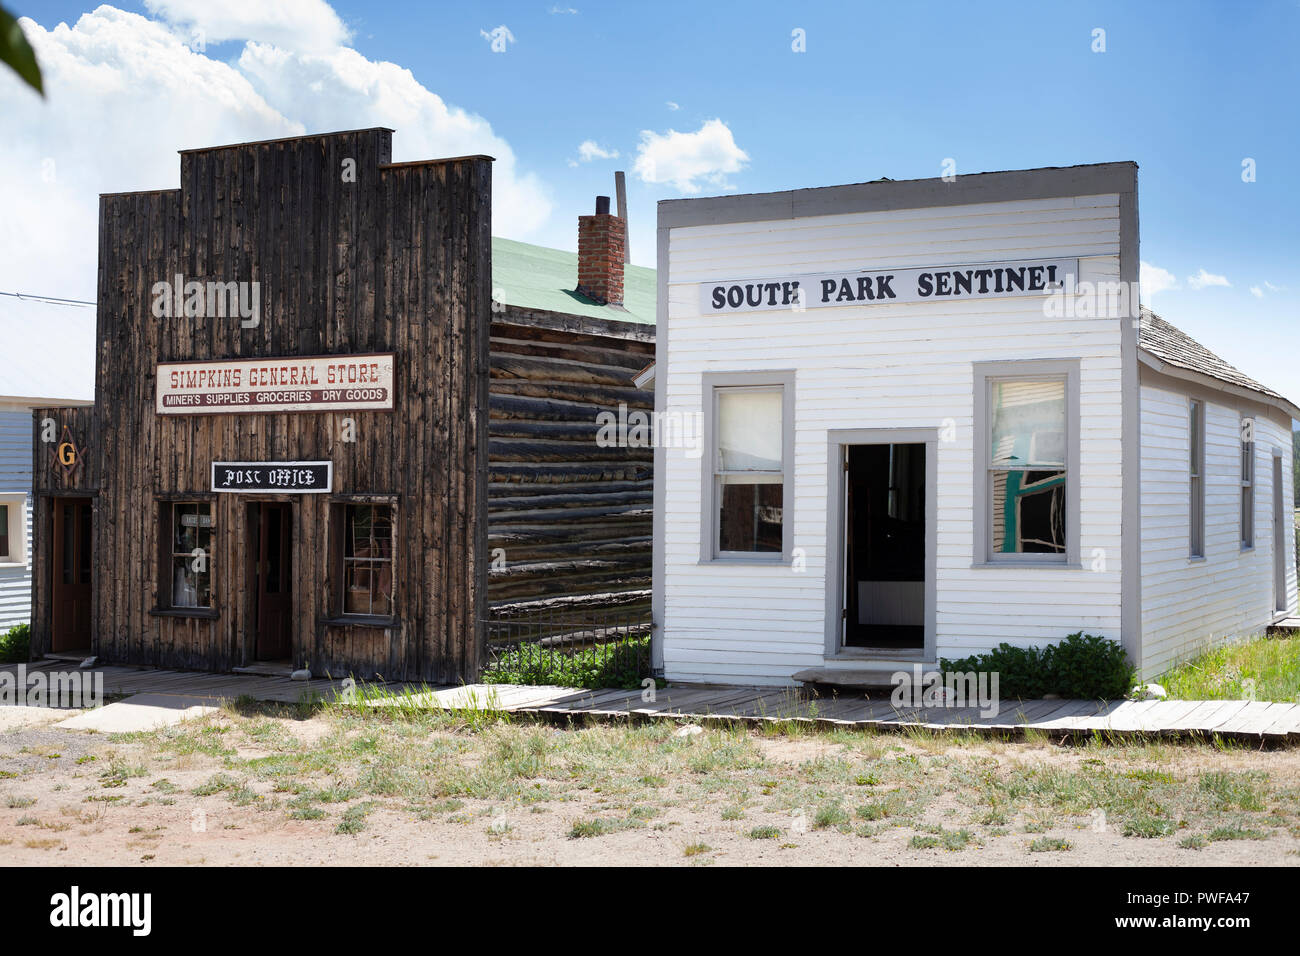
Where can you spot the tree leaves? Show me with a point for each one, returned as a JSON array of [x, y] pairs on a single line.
[[17, 53]]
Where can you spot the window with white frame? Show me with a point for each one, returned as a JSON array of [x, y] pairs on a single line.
[[746, 492], [13, 529], [1196, 477], [1247, 483], [1027, 453]]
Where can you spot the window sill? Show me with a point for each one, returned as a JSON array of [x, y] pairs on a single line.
[[1196, 559], [777, 561], [361, 620], [13, 564], [1017, 565], [203, 613], [910, 655]]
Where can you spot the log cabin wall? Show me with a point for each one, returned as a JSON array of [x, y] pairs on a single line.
[[397, 260], [569, 520]]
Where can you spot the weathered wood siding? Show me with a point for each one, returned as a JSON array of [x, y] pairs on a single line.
[[48, 483], [399, 261], [1189, 604], [569, 520], [891, 365]]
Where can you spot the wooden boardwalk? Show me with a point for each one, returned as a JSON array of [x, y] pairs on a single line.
[[1238, 719], [1244, 720], [124, 681]]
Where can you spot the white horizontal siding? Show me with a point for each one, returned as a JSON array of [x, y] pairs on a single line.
[[16, 476], [885, 366], [1187, 604]]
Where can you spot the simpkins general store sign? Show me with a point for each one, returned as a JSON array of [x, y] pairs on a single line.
[[927, 284], [328, 383]]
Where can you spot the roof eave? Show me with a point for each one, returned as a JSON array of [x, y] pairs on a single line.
[[37, 401], [1209, 381]]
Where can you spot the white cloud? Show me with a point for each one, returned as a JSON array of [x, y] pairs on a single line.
[[1203, 279], [291, 24], [344, 90], [1271, 287], [589, 150], [685, 159], [125, 92], [672, 106], [1154, 280], [1257, 292], [562, 10]]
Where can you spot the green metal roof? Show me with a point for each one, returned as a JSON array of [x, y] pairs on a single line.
[[535, 277]]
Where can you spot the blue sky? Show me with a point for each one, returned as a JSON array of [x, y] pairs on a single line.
[[1187, 90]]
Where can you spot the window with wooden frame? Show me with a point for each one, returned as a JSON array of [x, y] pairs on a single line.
[[1196, 477], [363, 535], [4, 532], [1247, 484], [186, 531]]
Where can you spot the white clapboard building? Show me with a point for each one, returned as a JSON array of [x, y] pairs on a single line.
[[49, 359], [931, 418]]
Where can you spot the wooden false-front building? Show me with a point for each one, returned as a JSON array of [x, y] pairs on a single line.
[[288, 456]]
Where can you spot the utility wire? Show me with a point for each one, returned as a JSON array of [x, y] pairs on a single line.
[[49, 299]]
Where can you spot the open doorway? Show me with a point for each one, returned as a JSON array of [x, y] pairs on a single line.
[[270, 527], [71, 573], [885, 546]]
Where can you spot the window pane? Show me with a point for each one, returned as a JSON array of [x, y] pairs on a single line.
[[1028, 512], [749, 430], [1028, 423], [1194, 433], [749, 513], [368, 560], [185, 583], [4, 531], [191, 531], [1247, 518]]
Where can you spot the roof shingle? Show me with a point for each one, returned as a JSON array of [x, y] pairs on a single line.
[[1172, 345]]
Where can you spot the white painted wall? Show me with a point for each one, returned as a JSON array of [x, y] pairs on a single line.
[[882, 366], [1188, 604], [16, 477]]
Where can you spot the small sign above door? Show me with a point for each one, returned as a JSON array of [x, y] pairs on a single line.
[[283, 477]]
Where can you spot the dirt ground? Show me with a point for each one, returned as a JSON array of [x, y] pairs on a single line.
[[281, 788]]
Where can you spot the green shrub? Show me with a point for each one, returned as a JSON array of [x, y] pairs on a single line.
[[16, 645], [1087, 667], [1081, 667], [623, 665]]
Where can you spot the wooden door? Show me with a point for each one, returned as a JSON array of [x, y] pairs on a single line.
[[274, 586], [72, 572]]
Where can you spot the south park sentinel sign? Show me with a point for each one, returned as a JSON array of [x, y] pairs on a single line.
[[993, 280]]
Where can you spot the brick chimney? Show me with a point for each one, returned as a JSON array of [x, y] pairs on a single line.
[[600, 255]]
